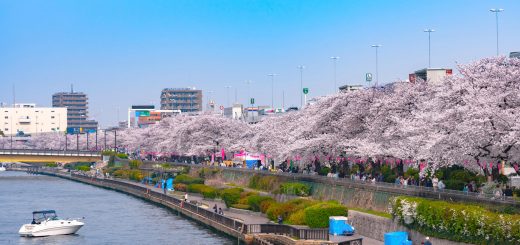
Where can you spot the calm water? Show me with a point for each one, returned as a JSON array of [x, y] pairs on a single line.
[[111, 217]]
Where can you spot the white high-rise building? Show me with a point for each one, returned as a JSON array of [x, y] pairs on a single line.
[[29, 119]]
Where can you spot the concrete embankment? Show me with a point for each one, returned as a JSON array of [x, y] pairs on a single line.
[[220, 223]]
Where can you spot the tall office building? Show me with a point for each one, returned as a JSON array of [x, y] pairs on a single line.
[[77, 111], [514, 55], [183, 99]]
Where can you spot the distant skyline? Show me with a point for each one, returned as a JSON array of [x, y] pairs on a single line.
[[122, 53]]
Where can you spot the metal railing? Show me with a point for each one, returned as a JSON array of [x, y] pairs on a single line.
[[411, 190], [37, 152], [291, 231]]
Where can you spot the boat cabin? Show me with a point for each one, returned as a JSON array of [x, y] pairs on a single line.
[[39, 216]]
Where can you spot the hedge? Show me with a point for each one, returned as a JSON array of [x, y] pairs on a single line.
[[255, 201], [231, 195], [186, 179], [122, 156], [295, 188], [134, 164], [206, 191], [180, 187], [457, 222], [317, 216]]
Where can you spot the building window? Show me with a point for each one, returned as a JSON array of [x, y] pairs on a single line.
[[52, 117], [6, 129], [6, 117]]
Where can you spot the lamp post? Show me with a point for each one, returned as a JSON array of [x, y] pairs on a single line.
[[429, 31], [377, 46], [335, 59], [496, 11], [227, 94], [105, 138], [115, 140], [301, 67], [272, 75]]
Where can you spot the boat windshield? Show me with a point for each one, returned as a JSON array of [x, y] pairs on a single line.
[[39, 216]]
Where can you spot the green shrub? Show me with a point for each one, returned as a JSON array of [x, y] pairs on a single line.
[[295, 188], [136, 175], [186, 179], [457, 222], [453, 184], [240, 206], [134, 164], [281, 209], [297, 218], [108, 153], [231, 195], [122, 156], [165, 165], [255, 201], [324, 171], [206, 191], [264, 205], [317, 216], [82, 168], [266, 183], [180, 187], [51, 165], [412, 172]]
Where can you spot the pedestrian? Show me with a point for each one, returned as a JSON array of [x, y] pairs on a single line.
[[427, 241], [186, 197], [441, 185], [220, 211], [280, 220], [215, 208], [435, 183], [164, 187]]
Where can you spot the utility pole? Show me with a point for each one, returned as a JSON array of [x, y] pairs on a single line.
[[496, 11], [272, 75], [301, 67], [429, 46], [335, 59], [377, 46]]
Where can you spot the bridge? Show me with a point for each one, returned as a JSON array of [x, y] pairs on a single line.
[[37, 155]]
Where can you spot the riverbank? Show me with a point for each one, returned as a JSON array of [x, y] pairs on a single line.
[[244, 232]]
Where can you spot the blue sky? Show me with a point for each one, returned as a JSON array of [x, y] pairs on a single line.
[[124, 52]]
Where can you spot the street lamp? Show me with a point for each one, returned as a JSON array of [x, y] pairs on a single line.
[[377, 46], [335, 59], [301, 84], [272, 75], [227, 94], [496, 11], [429, 45]]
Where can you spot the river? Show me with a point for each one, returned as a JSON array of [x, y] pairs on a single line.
[[110, 217]]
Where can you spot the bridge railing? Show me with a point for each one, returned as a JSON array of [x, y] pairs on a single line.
[[49, 152]]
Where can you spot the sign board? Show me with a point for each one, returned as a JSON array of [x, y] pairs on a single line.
[[143, 113], [221, 107], [368, 77], [305, 90], [252, 101]]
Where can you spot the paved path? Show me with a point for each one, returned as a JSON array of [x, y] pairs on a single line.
[[251, 218]]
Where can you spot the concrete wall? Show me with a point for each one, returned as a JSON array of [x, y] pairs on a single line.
[[375, 227]]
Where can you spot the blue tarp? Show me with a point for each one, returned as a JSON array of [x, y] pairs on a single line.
[[396, 238]]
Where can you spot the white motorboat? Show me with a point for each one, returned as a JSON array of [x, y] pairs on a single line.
[[2, 168], [47, 223]]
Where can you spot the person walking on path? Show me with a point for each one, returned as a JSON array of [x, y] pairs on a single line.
[[427, 241], [220, 211], [215, 208], [186, 197], [280, 220], [164, 187], [435, 183]]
